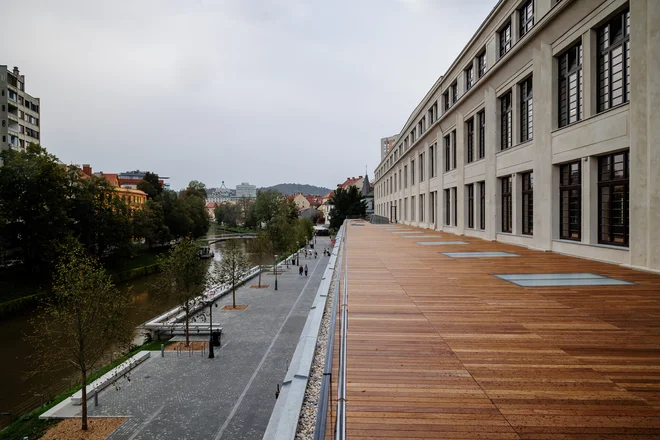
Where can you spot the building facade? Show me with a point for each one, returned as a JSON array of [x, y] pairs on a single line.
[[246, 190], [20, 113], [542, 133], [386, 145]]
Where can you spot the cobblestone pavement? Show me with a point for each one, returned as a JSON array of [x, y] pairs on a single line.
[[231, 396]]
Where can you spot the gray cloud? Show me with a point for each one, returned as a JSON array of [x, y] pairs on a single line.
[[263, 91]]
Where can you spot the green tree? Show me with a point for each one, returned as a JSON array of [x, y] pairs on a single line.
[[195, 189], [346, 203], [260, 249], [149, 224], [227, 214], [150, 184], [233, 266], [34, 204], [199, 220], [184, 277], [102, 221], [84, 318]]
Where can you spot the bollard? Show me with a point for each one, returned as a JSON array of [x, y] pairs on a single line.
[[96, 398], [162, 350]]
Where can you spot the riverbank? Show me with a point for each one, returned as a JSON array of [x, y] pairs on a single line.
[[21, 294], [32, 427]]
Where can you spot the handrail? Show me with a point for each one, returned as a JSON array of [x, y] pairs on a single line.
[[340, 428], [326, 380]]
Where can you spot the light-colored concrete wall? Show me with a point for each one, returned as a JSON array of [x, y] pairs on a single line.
[[632, 126]]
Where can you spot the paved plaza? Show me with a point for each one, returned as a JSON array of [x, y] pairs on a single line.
[[231, 396]]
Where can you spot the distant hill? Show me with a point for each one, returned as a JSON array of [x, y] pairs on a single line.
[[293, 188]]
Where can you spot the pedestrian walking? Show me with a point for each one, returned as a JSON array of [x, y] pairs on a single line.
[[300, 270], [305, 270], [315, 254]]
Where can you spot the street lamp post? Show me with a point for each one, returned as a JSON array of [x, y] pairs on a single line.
[[275, 268], [211, 354]]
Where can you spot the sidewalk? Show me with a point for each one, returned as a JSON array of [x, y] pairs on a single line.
[[231, 396], [439, 347]]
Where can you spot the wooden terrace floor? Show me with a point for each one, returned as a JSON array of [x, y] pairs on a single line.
[[440, 348]]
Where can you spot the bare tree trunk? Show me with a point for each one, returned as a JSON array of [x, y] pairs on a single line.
[[84, 399], [233, 293], [187, 327], [260, 275]]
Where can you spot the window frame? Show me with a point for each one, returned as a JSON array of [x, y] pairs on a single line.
[[565, 71], [566, 187], [454, 194], [526, 15], [611, 182], [481, 64], [528, 203], [507, 203], [469, 130], [506, 121], [605, 99], [482, 205], [527, 110], [469, 77], [447, 207], [447, 139], [504, 38], [471, 206], [482, 134]]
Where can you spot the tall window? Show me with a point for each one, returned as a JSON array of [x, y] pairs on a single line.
[[613, 198], [528, 203], [421, 207], [470, 140], [469, 78], [412, 208], [453, 148], [526, 111], [432, 160], [482, 134], [412, 172], [482, 205], [447, 207], [421, 167], [570, 85], [405, 208], [395, 182], [447, 153], [481, 63], [526, 14], [445, 97], [614, 62], [454, 200], [570, 201], [470, 189], [434, 196], [506, 121], [454, 93], [505, 39], [405, 176], [400, 186], [507, 205]]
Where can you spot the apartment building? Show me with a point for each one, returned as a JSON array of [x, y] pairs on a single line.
[[542, 133], [386, 145], [20, 118]]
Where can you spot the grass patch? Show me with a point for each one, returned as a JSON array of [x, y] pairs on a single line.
[[32, 427]]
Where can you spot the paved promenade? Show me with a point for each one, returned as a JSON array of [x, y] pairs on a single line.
[[439, 347], [231, 396]]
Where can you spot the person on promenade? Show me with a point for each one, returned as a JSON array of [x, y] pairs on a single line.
[[300, 270], [305, 270]]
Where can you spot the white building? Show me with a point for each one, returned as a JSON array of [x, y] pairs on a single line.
[[542, 133], [246, 190]]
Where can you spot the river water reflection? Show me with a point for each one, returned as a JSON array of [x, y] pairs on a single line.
[[16, 391]]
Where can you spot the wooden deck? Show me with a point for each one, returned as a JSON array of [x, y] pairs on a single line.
[[440, 348]]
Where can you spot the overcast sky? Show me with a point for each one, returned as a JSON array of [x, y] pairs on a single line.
[[265, 91]]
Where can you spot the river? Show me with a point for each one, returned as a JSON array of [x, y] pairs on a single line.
[[18, 394]]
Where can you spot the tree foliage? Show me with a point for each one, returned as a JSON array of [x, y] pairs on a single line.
[[185, 277], [227, 214], [85, 318], [346, 203], [233, 266]]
